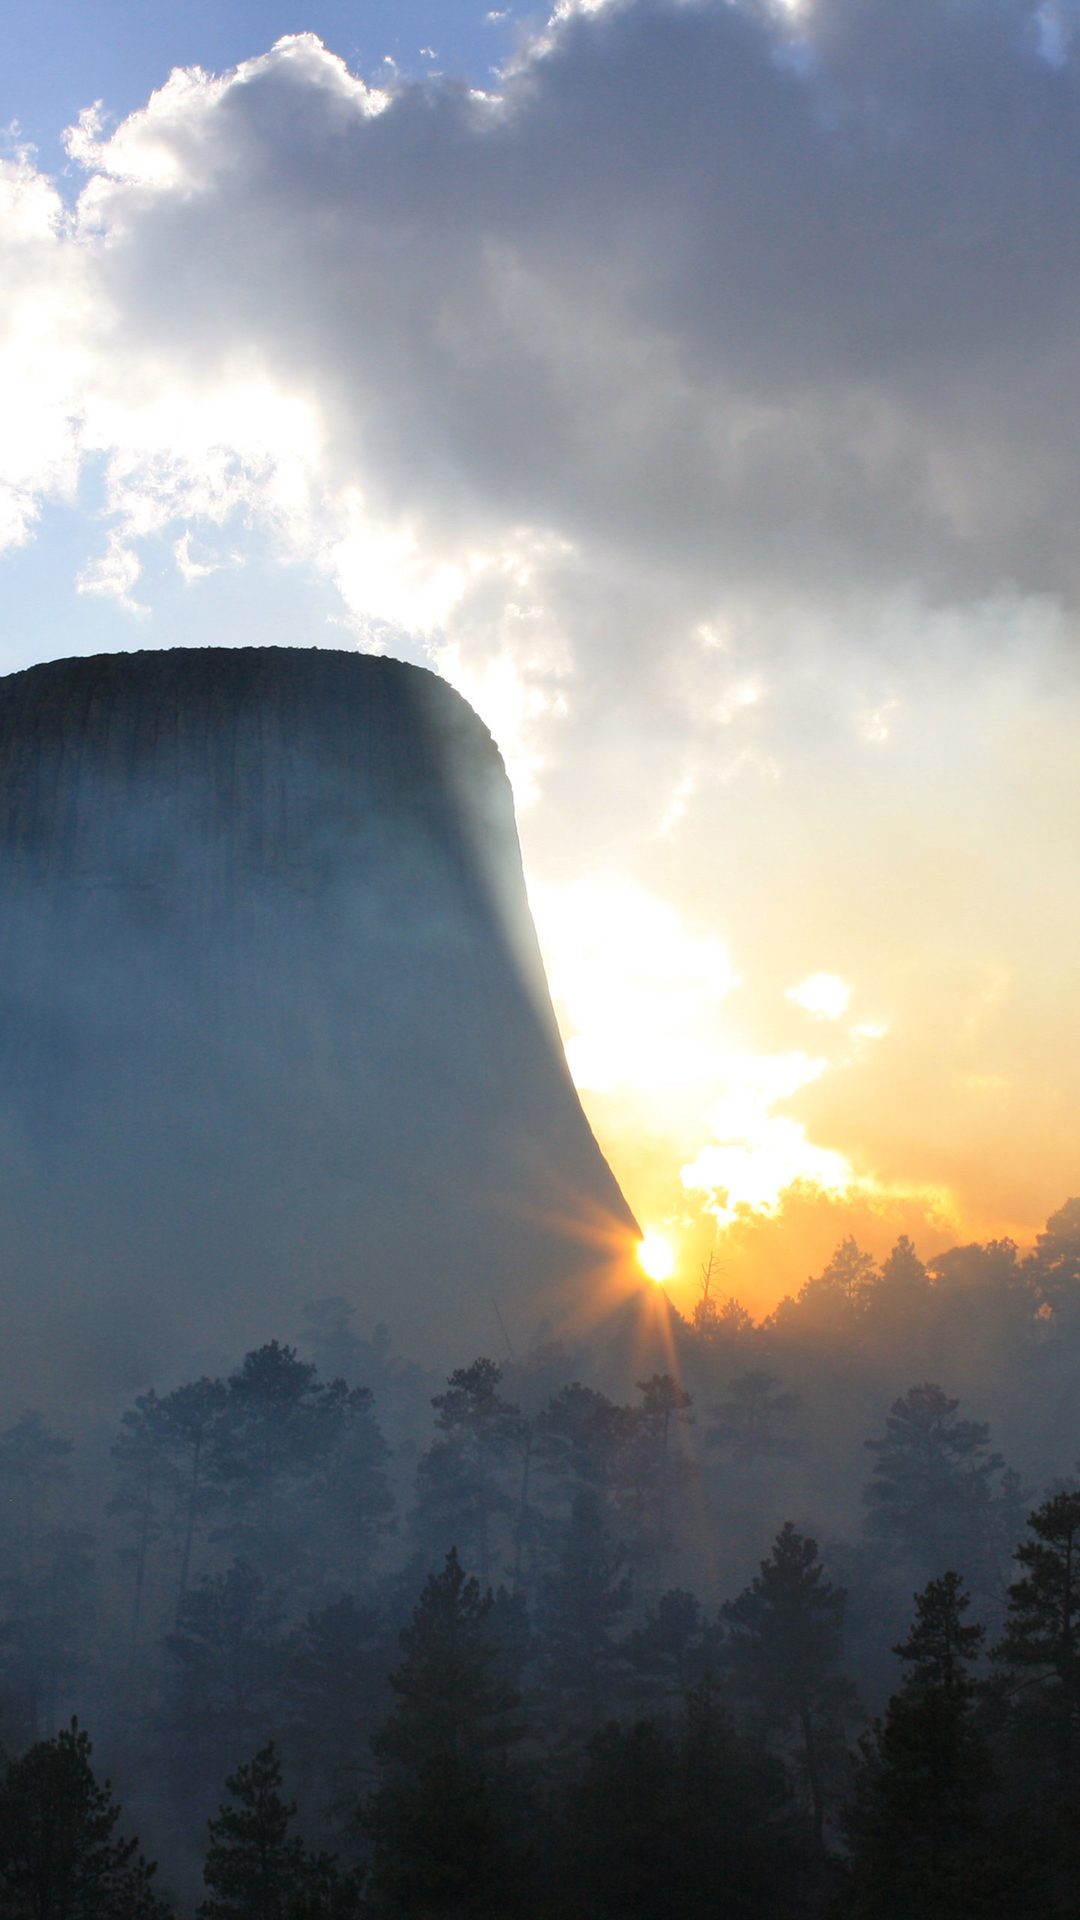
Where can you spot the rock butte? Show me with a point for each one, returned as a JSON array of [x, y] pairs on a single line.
[[273, 1025]]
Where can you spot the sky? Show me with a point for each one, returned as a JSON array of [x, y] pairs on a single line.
[[695, 384]]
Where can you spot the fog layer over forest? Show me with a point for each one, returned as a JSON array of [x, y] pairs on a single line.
[[526, 1639]]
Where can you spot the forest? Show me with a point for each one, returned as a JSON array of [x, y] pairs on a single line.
[[752, 1620]]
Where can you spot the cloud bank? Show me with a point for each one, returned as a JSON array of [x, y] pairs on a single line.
[[704, 401]]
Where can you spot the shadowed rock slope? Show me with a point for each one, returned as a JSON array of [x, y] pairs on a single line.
[[273, 1023]]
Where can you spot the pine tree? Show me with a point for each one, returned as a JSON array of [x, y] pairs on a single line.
[[785, 1648], [255, 1869], [931, 1489], [1040, 1646], [59, 1857], [1054, 1266], [832, 1302], [917, 1822], [440, 1818], [448, 1697], [676, 1818], [583, 1440], [290, 1454], [624, 1851], [671, 1648], [465, 1481], [902, 1291], [658, 1466], [334, 1676]]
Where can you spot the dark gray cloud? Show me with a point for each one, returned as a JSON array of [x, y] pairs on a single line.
[[752, 289]]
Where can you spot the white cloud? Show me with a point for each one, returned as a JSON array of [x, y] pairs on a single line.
[[752, 1167], [709, 321], [756, 1153], [823, 994], [47, 317]]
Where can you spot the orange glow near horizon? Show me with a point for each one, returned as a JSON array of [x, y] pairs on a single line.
[[763, 1117]]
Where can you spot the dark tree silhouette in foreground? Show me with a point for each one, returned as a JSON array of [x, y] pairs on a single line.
[[1040, 1647], [785, 1648], [680, 1817], [59, 1856], [438, 1820], [1038, 1658], [918, 1819], [256, 1870]]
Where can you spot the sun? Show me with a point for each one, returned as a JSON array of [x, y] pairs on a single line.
[[657, 1257]]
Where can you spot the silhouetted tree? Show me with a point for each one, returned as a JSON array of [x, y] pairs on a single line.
[[785, 1649], [256, 1870], [582, 1440], [832, 1302], [625, 1840], [917, 1822], [932, 1485], [901, 1292], [718, 1320], [673, 1648], [1053, 1268], [677, 1818], [657, 1468], [60, 1858], [465, 1482], [448, 1698], [1040, 1646], [301, 1466], [34, 1462], [438, 1820], [328, 1334]]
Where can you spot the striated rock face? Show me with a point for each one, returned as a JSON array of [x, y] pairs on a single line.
[[273, 1023]]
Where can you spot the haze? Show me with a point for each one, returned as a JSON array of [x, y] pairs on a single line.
[[695, 387]]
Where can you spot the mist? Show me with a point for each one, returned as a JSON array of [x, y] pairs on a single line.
[[246, 1564]]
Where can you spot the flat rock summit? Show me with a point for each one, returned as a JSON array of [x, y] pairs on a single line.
[[273, 1024]]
